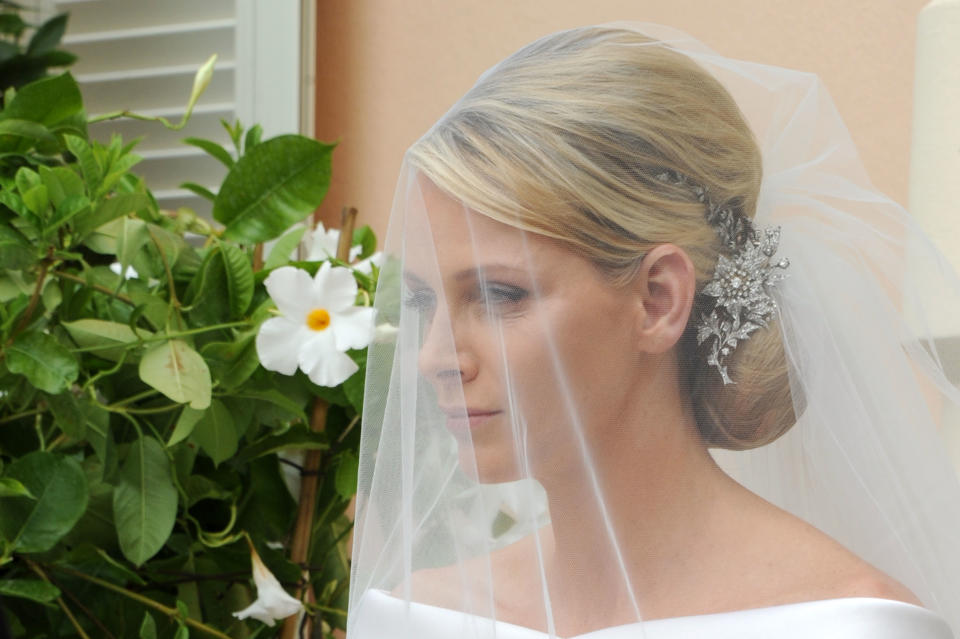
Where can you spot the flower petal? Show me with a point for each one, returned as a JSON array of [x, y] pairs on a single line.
[[323, 243], [258, 611], [334, 287], [323, 363], [364, 265], [290, 290], [353, 327], [273, 602], [278, 344]]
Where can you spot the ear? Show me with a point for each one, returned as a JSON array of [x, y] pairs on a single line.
[[665, 286]]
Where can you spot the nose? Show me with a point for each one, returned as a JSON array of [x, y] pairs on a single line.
[[444, 359]]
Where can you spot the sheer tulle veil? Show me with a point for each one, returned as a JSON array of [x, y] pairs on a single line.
[[454, 506]]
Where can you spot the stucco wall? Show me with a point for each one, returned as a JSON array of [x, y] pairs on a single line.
[[387, 69]]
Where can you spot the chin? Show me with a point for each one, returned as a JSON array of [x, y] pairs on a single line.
[[489, 466]]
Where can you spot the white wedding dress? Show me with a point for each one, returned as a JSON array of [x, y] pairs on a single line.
[[381, 616]]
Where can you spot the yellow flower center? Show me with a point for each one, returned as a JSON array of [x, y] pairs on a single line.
[[318, 319]]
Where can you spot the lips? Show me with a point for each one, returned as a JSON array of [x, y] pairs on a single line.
[[462, 420]]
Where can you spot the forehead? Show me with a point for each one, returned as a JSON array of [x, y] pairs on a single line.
[[444, 235], [452, 222]]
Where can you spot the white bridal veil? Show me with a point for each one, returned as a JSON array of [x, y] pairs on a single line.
[[492, 452]]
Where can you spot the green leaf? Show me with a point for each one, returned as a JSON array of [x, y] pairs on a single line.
[[202, 191], [61, 183], [232, 363], [252, 138], [45, 363], [199, 487], [345, 480], [115, 172], [185, 424], [239, 278], [10, 487], [296, 438], [60, 490], [276, 184], [215, 433], [70, 206], [48, 36], [15, 251], [13, 202], [108, 340], [110, 209], [32, 589], [89, 163], [367, 239], [177, 371], [153, 307], [30, 131], [213, 149], [207, 294], [131, 236], [35, 199], [26, 178], [12, 23], [101, 439], [353, 385], [144, 501], [68, 414], [284, 248], [279, 400], [49, 101], [148, 627]]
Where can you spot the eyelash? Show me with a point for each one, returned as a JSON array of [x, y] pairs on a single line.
[[498, 295], [420, 299], [502, 295]]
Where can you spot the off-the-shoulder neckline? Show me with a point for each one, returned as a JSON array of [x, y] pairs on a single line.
[[878, 602]]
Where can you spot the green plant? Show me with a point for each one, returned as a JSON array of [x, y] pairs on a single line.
[[140, 437], [19, 64]]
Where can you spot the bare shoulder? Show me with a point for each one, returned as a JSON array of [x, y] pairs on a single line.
[[810, 565]]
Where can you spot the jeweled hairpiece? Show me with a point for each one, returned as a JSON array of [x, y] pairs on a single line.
[[740, 282]]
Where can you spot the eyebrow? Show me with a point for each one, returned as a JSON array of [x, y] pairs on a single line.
[[478, 272]]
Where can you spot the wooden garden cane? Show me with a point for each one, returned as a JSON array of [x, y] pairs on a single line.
[[308, 478]]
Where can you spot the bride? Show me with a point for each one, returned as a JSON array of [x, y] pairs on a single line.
[[660, 366]]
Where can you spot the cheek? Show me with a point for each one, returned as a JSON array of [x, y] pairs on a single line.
[[587, 358]]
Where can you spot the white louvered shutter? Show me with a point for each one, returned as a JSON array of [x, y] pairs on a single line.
[[141, 55]]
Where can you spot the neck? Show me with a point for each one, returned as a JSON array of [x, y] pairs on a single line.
[[660, 488]]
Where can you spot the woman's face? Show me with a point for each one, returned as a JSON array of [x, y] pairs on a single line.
[[512, 313]]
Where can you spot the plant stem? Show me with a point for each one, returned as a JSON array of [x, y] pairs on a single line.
[[166, 267], [162, 337], [101, 289], [133, 398], [116, 115], [16, 416], [60, 602], [34, 300], [173, 613]]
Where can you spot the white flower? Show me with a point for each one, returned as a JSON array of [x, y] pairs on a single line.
[[272, 602], [318, 323], [321, 244], [364, 265], [129, 273], [385, 332]]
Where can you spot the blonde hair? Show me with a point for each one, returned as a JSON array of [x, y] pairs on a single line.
[[566, 138]]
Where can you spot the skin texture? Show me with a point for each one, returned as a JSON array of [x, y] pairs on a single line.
[[690, 539]]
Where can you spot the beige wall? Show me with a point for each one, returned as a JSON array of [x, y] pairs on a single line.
[[387, 69]]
